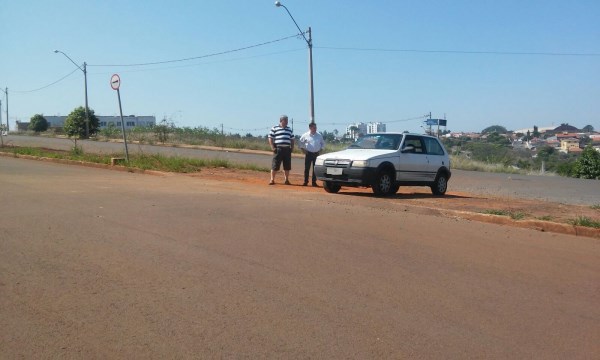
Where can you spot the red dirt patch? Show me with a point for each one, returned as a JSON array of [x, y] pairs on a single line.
[[545, 216]]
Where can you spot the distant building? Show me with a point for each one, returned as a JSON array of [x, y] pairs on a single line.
[[569, 145], [375, 127], [131, 121], [355, 130], [358, 129], [540, 129]]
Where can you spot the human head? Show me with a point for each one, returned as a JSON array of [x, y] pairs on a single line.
[[283, 120], [312, 127]]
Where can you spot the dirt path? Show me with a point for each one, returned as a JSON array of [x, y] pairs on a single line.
[[541, 215]]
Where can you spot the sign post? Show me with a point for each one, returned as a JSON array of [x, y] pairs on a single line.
[[438, 122], [115, 83]]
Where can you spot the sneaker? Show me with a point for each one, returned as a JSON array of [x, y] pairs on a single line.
[[305, 184], [272, 182], [315, 184], [287, 182]]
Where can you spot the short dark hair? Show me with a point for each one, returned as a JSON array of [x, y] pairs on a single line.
[[312, 124]]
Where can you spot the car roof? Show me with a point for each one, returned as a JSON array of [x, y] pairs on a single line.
[[400, 133]]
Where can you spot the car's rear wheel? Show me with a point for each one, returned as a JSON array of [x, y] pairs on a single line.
[[440, 185], [384, 184], [331, 187]]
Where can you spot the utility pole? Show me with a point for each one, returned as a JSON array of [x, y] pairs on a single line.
[[7, 123], [310, 61], [87, 115], [84, 70], [430, 123]]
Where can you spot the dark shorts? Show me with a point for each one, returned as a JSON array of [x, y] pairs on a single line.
[[282, 154]]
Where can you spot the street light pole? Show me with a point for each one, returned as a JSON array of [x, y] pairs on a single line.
[[84, 69], [7, 122], [310, 61]]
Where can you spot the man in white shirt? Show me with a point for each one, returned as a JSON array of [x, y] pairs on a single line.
[[311, 143]]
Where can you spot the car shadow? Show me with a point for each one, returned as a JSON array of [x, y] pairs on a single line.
[[404, 196]]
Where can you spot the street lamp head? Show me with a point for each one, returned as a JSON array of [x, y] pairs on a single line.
[[278, 3]]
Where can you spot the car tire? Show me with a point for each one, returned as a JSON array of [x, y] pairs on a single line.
[[331, 187], [384, 184], [440, 185]]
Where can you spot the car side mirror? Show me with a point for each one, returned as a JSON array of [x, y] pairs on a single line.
[[408, 149]]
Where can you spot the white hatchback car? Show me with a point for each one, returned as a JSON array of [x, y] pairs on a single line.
[[384, 162]]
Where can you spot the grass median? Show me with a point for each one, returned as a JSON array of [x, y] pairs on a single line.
[[138, 161]]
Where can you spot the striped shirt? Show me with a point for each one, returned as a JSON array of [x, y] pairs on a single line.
[[281, 136]]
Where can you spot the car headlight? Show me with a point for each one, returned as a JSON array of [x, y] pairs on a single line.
[[319, 161], [360, 163]]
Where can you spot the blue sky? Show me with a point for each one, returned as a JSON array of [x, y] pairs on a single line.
[[476, 62]]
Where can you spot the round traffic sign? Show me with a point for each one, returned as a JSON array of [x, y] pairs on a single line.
[[115, 82]]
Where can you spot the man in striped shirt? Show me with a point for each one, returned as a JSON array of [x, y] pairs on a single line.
[[281, 139]]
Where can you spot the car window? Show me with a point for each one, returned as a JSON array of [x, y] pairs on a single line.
[[433, 146], [390, 142], [416, 142], [377, 141]]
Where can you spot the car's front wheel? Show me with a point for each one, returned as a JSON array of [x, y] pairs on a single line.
[[331, 187], [440, 185], [384, 184]]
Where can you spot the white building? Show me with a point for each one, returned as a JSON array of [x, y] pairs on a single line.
[[356, 129], [131, 121], [541, 129], [375, 127]]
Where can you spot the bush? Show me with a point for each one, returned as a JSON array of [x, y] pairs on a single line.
[[75, 124], [38, 123], [588, 164]]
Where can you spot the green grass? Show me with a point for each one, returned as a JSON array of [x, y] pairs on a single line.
[[464, 163], [595, 207], [515, 215], [585, 221], [142, 161], [545, 218]]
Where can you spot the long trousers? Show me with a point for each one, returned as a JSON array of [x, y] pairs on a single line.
[[309, 163]]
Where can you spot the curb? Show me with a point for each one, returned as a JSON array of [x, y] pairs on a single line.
[[540, 225]]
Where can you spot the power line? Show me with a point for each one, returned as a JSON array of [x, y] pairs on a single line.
[[201, 56], [43, 87], [203, 63], [165, 62], [457, 51]]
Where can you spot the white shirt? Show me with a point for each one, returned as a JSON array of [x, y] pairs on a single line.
[[311, 142]]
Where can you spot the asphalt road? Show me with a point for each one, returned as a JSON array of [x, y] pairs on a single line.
[[544, 188], [109, 264]]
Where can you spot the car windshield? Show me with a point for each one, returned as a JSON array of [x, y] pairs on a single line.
[[377, 141]]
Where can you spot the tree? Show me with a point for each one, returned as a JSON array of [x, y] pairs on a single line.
[[38, 123], [327, 136], [588, 164], [494, 128], [536, 133], [496, 138], [75, 123], [588, 128], [353, 129], [163, 129]]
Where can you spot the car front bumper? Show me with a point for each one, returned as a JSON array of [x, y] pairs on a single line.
[[349, 177]]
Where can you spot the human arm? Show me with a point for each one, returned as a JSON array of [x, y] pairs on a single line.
[[271, 143]]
